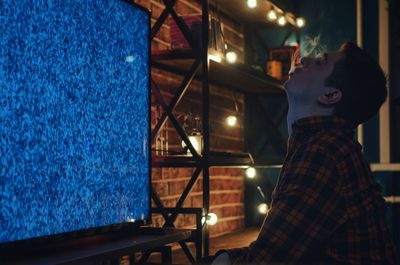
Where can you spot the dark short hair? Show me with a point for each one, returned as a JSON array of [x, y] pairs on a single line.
[[362, 83]]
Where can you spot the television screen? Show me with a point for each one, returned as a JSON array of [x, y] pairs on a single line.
[[74, 116]]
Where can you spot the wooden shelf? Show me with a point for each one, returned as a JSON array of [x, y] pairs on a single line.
[[238, 10], [233, 76], [216, 159]]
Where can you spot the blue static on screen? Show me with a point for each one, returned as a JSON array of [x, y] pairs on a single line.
[[74, 116]]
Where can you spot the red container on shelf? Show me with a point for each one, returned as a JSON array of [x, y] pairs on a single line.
[[274, 69], [284, 55]]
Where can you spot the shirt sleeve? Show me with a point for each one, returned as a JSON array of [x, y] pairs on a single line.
[[306, 209]]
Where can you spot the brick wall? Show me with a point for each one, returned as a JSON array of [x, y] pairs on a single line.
[[226, 184], [233, 31], [226, 196]]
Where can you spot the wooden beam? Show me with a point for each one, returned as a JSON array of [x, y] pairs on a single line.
[[384, 112]]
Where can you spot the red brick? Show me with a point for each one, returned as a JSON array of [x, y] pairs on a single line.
[[221, 104], [227, 184], [161, 189]]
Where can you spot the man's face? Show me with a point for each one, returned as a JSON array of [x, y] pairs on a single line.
[[307, 79]]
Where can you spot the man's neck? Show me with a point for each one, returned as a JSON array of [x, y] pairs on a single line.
[[297, 112], [292, 116]]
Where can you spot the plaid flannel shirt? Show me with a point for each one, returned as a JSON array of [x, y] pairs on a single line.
[[326, 208]]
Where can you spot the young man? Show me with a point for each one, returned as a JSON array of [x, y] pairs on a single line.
[[326, 207]]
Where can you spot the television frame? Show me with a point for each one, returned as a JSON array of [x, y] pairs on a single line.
[[31, 245]]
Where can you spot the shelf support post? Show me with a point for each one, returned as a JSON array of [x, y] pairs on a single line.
[[206, 120]]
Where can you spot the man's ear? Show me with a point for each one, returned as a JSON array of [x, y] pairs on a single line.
[[330, 97]]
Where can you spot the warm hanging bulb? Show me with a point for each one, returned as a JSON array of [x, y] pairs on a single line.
[[300, 22], [251, 3], [251, 172], [211, 219], [262, 208], [271, 16], [231, 57], [282, 21], [231, 120]]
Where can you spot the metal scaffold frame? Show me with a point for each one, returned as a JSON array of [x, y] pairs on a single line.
[[199, 161]]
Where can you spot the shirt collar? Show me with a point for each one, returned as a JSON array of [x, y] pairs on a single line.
[[319, 123]]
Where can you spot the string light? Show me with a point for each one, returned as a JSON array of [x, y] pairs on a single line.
[[300, 22], [282, 21], [231, 120], [279, 15], [262, 208], [251, 3], [212, 219], [231, 57], [271, 16], [251, 172]]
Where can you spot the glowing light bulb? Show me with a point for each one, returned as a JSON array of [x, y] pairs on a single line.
[[215, 58], [212, 219], [263, 208], [271, 16], [231, 57], [282, 21], [231, 120], [251, 3], [300, 22], [251, 172]]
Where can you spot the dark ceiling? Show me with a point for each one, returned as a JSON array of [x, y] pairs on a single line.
[[238, 9]]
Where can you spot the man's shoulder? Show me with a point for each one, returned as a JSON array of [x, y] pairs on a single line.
[[332, 142]]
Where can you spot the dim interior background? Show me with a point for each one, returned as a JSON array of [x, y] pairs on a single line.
[[251, 46], [259, 128]]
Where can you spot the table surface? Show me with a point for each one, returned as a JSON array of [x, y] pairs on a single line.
[[95, 249]]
